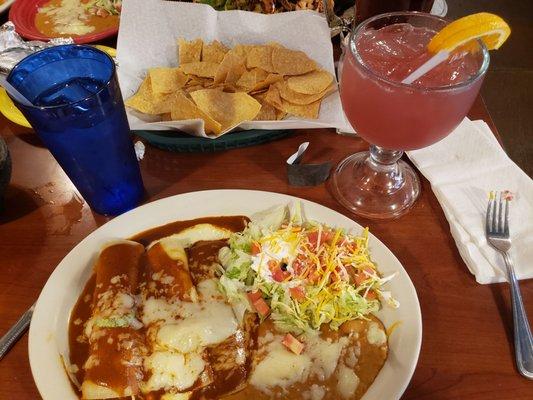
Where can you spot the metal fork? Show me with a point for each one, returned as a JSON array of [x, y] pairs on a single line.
[[497, 230]]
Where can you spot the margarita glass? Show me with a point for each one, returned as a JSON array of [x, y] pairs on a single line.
[[394, 117]]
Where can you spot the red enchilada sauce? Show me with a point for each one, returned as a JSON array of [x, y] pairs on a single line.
[[78, 345], [366, 363]]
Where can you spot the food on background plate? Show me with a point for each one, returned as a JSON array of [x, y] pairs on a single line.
[[275, 306], [71, 18], [225, 87], [265, 6]]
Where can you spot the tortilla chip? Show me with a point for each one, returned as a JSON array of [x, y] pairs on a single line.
[[146, 101], [241, 50], [202, 69], [227, 86], [230, 109], [267, 112], [269, 80], [302, 99], [193, 88], [231, 61], [234, 74], [198, 80], [189, 52], [260, 57], [214, 52], [280, 114], [182, 108], [291, 62], [166, 80], [249, 79], [306, 111], [273, 98], [166, 117], [311, 83]]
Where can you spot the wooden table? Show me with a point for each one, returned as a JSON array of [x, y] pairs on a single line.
[[467, 348]]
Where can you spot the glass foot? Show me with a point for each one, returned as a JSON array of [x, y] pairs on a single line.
[[376, 184]]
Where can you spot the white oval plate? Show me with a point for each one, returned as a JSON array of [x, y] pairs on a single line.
[[48, 336]]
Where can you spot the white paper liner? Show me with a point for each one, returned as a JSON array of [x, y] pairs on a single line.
[[149, 30]]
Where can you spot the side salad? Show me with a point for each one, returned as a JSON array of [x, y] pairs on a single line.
[[302, 273]]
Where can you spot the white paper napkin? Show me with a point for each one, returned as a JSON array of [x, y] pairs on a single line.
[[148, 35], [463, 168]]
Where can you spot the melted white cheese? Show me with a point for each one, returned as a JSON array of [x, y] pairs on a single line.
[[212, 324], [375, 335], [91, 390], [69, 17], [187, 237], [347, 381], [208, 290], [172, 370], [174, 248], [325, 355], [315, 392], [167, 312], [280, 368]]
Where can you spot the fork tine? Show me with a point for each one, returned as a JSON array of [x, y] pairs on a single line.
[[501, 213], [494, 223], [490, 211], [506, 223]]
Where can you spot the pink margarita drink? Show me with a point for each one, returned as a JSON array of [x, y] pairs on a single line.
[[395, 116]]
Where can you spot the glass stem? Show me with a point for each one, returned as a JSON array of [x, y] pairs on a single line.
[[381, 157], [386, 172]]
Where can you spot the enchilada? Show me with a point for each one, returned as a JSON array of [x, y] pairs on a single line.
[[113, 368]]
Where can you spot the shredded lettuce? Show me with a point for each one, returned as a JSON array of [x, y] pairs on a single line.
[[338, 279]]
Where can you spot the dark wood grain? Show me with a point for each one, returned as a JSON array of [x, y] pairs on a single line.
[[466, 350], [509, 82]]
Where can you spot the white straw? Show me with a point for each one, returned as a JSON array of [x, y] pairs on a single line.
[[427, 66], [14, 92]]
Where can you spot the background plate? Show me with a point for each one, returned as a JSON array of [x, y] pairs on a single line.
[[5, 5], [22, 14], [48, 337]]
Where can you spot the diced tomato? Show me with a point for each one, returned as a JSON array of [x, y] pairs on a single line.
[[362, 276], [335, 276], [297, 266], [297, 292], [256, 248], [313, 238], [327, 236], [371, 295], [253, 296], [293, 344], [261, 307], [279, 275]]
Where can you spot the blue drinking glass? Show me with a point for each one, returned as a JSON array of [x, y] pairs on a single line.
[[79, 114]]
